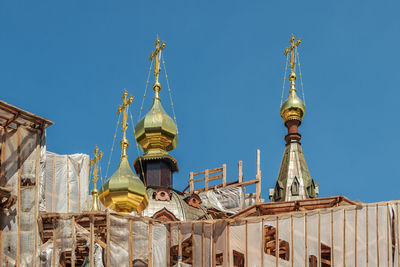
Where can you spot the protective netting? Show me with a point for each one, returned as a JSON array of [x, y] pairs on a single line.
[[66, 183], [23, 164], [339, 236], [353, 235], [39, 181]]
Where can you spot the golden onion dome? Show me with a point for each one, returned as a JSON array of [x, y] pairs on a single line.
[[157, 131], [124, 191], [293, 108]]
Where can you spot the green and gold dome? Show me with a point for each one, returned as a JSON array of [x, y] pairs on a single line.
[[124, 192], [293, 108], [156, 133]]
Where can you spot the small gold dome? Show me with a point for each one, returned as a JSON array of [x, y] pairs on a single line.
[[157, 131], [293, 108], [124, 191]]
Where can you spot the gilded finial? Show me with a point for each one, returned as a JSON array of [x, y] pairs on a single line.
[[94, 163], [159, 46], [292, 60], [126, 101], [293, 108]]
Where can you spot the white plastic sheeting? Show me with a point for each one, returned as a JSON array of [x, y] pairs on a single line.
[[348, 235], [23, 163], [66, 183], [65, 232], [230, 200]]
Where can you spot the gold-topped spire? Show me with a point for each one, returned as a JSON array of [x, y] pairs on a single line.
[[123, 108], [124, 191], [292, 60], [156, 132], [94, 163], [293, 108], [159, 46]]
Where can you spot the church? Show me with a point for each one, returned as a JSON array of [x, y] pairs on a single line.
[[136, 217]]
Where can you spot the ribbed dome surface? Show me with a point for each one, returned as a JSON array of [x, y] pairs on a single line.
[[293, 107], [157, 131], [124, 191]]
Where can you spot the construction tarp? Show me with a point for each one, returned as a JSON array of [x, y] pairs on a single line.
[[23, 163], [66, 183], [339, 236], [230, 200]]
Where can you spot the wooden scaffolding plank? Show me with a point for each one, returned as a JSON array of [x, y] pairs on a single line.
[[108, 239], [193, 246], [130, 247], [91, 250], [79, 187], [37, 167], [3, 155], [319, 239], [291, 241], [214, 258], [19, 196], [150, 244], [73, 256], [398, 234], [246, 258], [53, 194], [258, 178], [240, 171], [277, 242], [67, 184], [228, 248], [377, 234], [203, 246], [332, 242], [367, 237], [179, 242], [191, 183], [387, 233], [206, 180], [224, 175], [305, 239], [168, 244], [344, 238], [262, 241], [53, 254], [355, 236]]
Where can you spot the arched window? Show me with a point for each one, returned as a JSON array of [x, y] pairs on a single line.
[[295, 187]]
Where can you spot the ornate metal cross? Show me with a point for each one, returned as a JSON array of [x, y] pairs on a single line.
[[93, 162], [156, 53], [291, 49], [126, 101]]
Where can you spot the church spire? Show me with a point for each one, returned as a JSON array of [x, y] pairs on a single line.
[[157, 55], [294, 181], [126, 102], [124, 191], [97, 155], [157, 134]]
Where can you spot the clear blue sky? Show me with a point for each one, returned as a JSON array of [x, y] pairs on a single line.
[[69, 61]]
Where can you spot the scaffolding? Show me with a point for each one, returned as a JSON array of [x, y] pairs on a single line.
[[350, 235], [45, 220], [30, 183]]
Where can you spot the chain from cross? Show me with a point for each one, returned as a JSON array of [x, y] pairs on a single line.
[[291, 49], [94, 162], [126, 101], [156, 53]]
